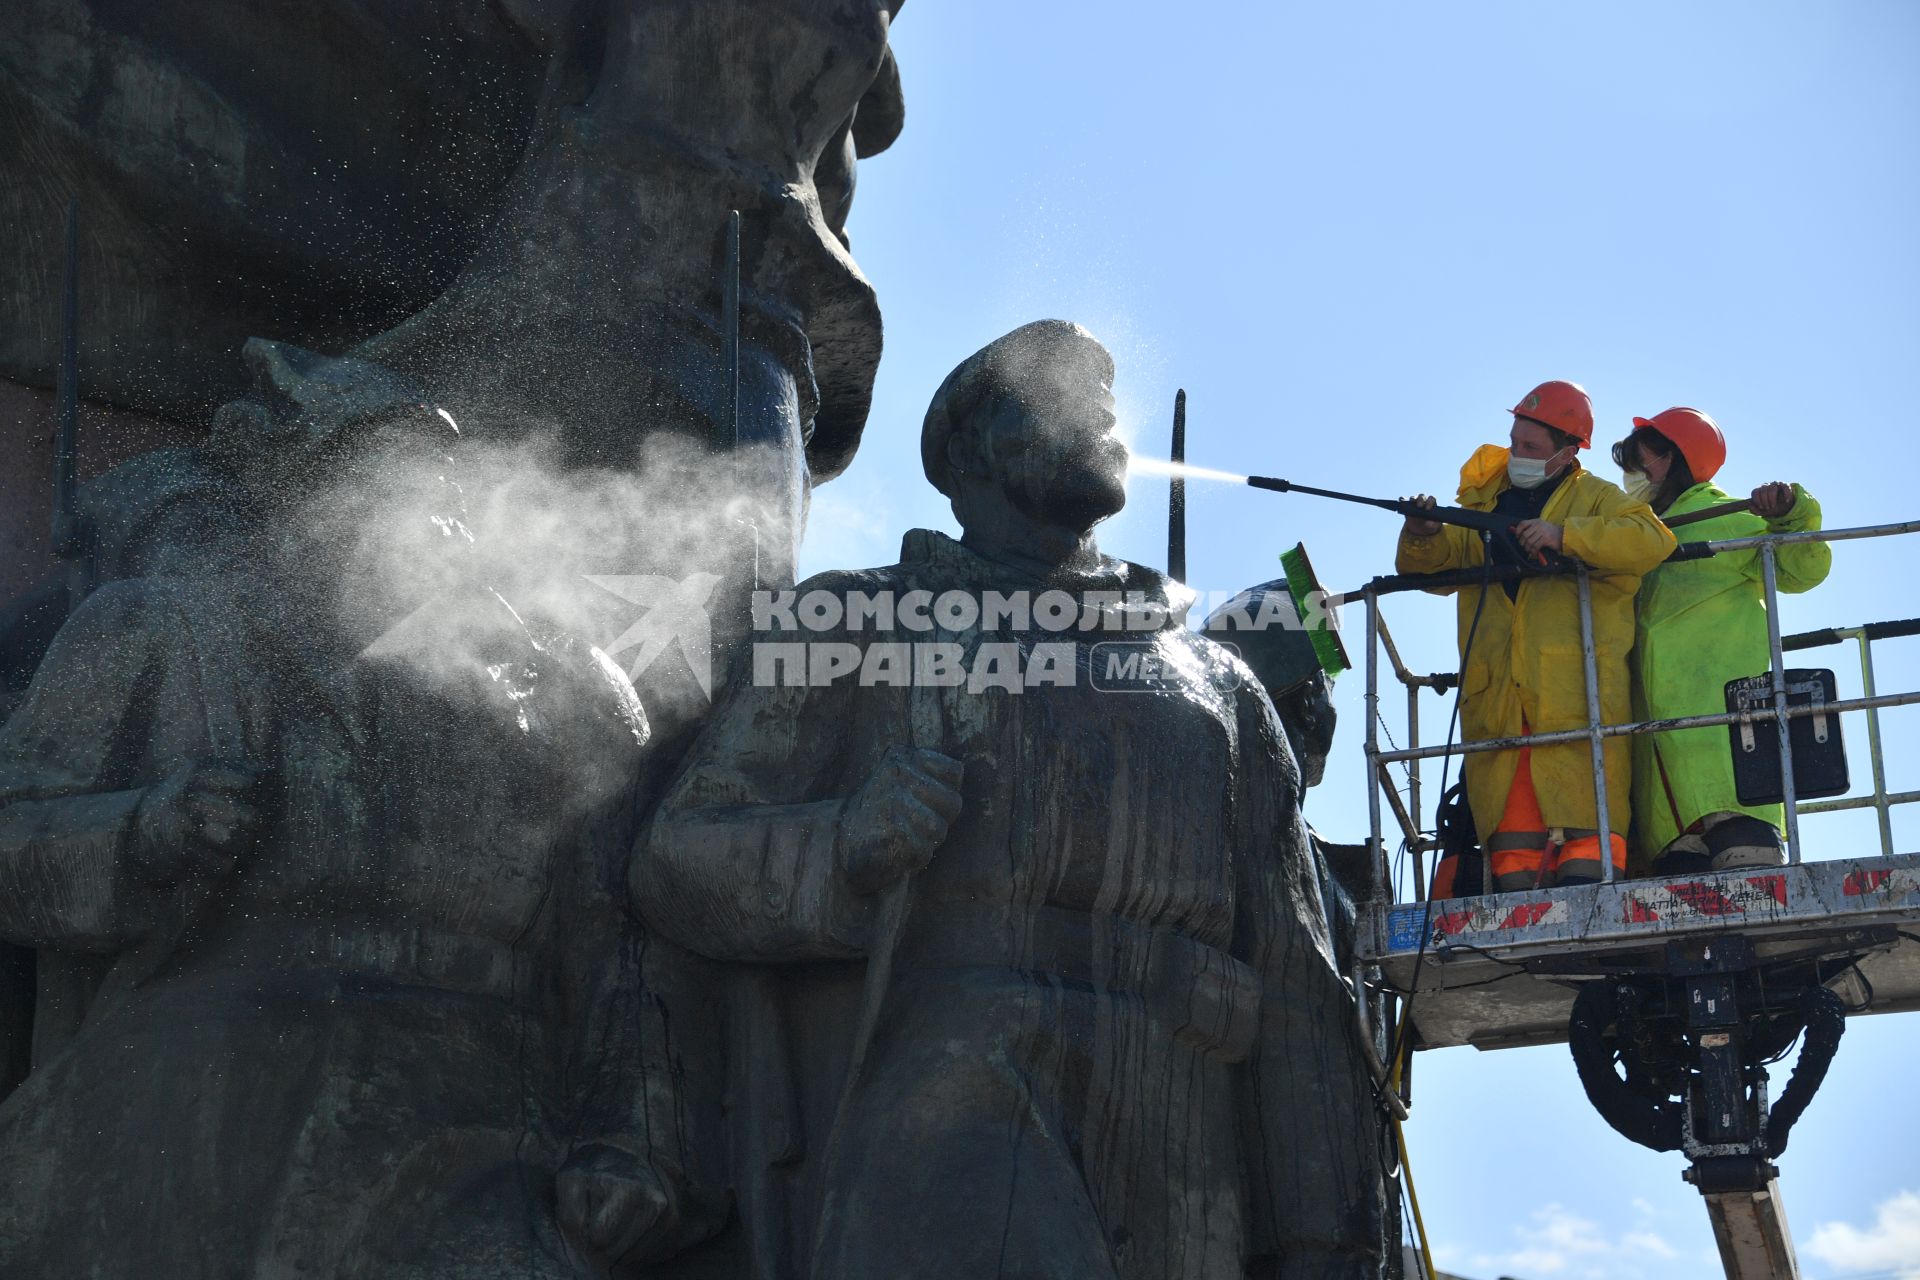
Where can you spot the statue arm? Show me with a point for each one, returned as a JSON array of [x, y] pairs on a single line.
[[1312, 1132], [741, 860], [69, 807]]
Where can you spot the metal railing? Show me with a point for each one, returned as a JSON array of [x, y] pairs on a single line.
[[1418, 842]]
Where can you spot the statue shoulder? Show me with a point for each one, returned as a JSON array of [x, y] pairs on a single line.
[[126, 643], [129, 614], [841, 582]]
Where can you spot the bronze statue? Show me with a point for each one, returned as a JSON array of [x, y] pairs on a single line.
[[1050, 948], [999, 951]]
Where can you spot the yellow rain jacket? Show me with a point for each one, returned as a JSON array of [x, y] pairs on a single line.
[[1525, 663], [1703, 623]]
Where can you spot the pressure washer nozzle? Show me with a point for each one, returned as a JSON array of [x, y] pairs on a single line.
[[1269, 482]]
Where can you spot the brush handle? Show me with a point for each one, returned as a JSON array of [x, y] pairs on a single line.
[[1710, 513]]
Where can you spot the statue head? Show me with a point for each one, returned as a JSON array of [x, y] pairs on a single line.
[[1025, 425], [353, 475], [1308, 716], [1264, 626], [173, 512]]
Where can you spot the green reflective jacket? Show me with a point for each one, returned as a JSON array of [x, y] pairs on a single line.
[[1700, 624]]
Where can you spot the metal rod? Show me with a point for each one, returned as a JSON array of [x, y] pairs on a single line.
[[66, 398], [1413, 777], [1374, 848], [1375, 1067], [1787, 790], [1407, 826], [1393, 650], [730, 322], [1177, 493], [1439, 682], [1873, 747], [1653, 726], [1813, 535], [1688, 551], [1410, 825], [1861, 802], [1588, 661]]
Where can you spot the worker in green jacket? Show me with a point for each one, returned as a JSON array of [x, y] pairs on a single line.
[[1700, 624]]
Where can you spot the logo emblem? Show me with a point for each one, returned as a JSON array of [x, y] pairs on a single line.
[[676, 613]]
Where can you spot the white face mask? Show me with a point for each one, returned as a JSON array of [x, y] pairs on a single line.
[[1528, 473], [1640, 486]]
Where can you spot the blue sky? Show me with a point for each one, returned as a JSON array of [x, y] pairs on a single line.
[[1356, 233]]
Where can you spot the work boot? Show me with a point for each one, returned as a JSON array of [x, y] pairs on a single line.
[[1736, 840], [1686, 856]]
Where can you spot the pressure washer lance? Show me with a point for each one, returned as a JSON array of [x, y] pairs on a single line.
[[1465, 517]]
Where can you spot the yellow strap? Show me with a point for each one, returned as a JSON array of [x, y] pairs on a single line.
[[1413, 1197]]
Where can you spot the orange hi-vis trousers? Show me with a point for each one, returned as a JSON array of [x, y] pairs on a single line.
[[1525, 854]]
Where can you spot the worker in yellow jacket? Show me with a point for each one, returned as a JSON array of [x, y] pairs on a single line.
[[1701, 624], [1534, 808]]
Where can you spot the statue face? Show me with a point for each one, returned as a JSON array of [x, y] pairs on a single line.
[[1050, 442], [379, 526], [1308, 716]]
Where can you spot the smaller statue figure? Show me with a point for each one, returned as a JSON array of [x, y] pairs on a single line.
[[1283, 633], [1291, 644], [1028, 855], [323, 872]]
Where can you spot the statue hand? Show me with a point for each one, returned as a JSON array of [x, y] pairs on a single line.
[[622, 1209], [899, 817], [192, 824]]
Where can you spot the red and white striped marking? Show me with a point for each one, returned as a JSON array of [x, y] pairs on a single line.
[[1675, 901], [1484, 919]]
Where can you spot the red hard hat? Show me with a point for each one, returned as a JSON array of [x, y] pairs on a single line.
[[1694, 434], [1564, 406]]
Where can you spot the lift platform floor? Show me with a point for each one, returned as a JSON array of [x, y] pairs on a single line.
[[1500, 971]]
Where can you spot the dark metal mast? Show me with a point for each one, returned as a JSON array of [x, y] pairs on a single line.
[[730, 322], [1177, 494], [66, 420]]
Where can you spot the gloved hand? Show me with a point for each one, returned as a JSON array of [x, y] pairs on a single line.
[[1774, 500]]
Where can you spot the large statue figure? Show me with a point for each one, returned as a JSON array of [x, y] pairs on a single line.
[[522, 204], [336, 976], [1050, 940]]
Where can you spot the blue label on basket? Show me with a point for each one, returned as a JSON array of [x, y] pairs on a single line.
[[1404, 928]]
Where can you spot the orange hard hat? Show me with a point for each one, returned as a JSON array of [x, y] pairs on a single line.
[[1564, 406], [1694, 434]]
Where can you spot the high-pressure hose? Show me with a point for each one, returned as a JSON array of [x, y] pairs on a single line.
[[1826, 1021], [1656, 1122], [1651, 1122]]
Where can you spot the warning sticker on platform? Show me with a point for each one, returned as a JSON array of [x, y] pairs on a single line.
[[1676, 901], [1895, 886]]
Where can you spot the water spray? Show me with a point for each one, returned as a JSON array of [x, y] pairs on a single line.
[[1465, 517]]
